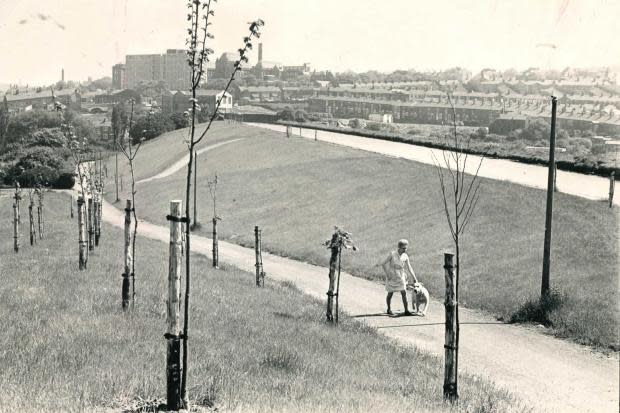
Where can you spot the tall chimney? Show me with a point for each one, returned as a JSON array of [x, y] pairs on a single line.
[[260, 52], [62, 75]]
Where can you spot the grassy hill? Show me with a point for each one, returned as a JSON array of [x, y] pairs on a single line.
[[297, 190], [67, 346]]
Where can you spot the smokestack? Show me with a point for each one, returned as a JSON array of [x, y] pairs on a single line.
[[260, 52], [62, 75]]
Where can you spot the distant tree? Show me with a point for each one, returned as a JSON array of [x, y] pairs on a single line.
[[50, 137], [22, 125], [286, 114], [104, 83], [150, 126], [4, 121], [179, 120], [35, 165]]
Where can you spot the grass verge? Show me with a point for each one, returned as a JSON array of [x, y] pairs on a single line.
[[68, 346], [296, 190]]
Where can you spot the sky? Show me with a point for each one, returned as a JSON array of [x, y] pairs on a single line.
[[87, 37]]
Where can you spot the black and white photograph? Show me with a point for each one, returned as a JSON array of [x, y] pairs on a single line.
[[189, 188]]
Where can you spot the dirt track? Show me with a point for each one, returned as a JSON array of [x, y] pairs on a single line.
[[549, 374]]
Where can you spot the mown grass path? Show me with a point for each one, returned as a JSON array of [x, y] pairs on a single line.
[[550, 374]]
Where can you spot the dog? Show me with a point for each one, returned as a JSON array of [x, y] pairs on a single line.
[[419, 296]]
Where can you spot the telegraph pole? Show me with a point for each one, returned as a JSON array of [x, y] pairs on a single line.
[[544, 289]]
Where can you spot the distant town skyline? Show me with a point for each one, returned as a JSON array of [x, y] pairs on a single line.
[[89, 37]]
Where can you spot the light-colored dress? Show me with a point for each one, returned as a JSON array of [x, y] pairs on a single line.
[[396, 277]]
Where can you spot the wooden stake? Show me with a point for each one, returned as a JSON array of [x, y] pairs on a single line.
[[258, 250], [18, 197], [96, 217], [91, 231], [612, 184], [336, 318], [333, 262], [40, 219], [100, 210], [71, 204], [450, 391], [82, 233], [15, 228], [116, 174], [125, 295], [315, 132], [195, 222], [215, 249], [31, 220], [173, 359]]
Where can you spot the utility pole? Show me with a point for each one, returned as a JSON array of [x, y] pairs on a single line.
[[544, 289]]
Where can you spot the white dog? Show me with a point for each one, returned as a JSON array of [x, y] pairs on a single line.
[[419, 297]]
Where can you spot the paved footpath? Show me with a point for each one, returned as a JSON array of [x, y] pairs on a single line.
[[549, 374]]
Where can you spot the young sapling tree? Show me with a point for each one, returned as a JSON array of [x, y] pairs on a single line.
[[213, 192], [459, 186], [198, 54], [130, 150]]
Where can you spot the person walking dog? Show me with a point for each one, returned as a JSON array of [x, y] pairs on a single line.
[[395, 266]]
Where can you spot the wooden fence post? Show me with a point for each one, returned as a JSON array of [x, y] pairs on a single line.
[[100, 214], [71, 205], [40, 219], [195, 224], [96, 216], [82, 233], [315, 132], [215, 250], [33, 236], [18, 197], [258, 250], [333, 263], [15, 228], [450, 391], [91, 232], [612, 184], [125, 296], [337, 312], [173, 337]]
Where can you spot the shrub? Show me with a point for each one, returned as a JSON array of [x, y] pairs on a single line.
[[51, 137], [150, 126], [300, 116], [373, 126], [179, 120], [39, 164], [66, 180]]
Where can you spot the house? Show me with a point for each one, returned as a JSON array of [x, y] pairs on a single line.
[[207, 99], [261, 93], [43, 100]]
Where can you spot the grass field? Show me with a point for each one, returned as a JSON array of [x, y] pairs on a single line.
[[297, 190], [67, 346]]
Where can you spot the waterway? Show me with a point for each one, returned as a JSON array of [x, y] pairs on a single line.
[[573, 183]]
